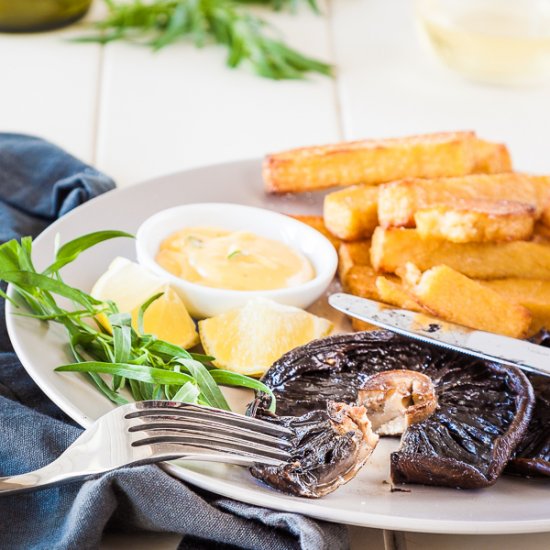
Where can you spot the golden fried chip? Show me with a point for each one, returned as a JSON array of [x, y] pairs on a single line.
[[399, 201], [351, 255], [352, 213], [393, 248], [454, 297], [491, 158], [530, 293], [392, 292], [370, 162], [477, 221]]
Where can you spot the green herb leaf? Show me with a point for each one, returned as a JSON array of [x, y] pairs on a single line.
[[167, 350], [143, 309], [28, 280], [121, 323], [133, 372], [71, 250], [188, 393], [209, 389], [158, 392], [201, 357], [106, 390], [11, 256], [228, 378], [136, 391]]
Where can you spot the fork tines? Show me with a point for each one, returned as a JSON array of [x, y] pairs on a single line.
[[208, 428], [189, 410]]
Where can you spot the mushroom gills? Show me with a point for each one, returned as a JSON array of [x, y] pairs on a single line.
[[395, 399], [329, 448]]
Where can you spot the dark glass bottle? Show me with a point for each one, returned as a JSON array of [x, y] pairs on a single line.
[[40, 15]]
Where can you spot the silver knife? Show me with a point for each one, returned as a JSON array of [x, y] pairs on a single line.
[[485, 345]]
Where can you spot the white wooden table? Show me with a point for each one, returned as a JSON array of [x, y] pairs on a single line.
[[137, 115]]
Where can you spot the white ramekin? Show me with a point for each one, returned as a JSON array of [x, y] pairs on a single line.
[[202, 301]]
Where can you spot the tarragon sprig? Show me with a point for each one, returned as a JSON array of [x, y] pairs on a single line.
[[248, 38], [150, 368]]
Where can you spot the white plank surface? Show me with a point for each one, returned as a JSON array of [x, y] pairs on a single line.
[[49, 88], [181, 107], [390, 85]]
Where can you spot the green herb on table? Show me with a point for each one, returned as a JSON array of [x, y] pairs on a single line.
[[148, 367], [247, 37]]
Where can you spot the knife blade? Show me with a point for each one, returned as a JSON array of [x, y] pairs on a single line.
[[484, 345]]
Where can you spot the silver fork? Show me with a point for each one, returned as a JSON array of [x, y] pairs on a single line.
[[153, 431]]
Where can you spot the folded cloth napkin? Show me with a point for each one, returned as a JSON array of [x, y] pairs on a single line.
[[38, 183]]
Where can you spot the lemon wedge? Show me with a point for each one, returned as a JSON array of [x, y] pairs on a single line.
[[250, 339], [129, 285]]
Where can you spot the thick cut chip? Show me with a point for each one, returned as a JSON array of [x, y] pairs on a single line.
[[491, 158], [249, 339], [361, 281], [532, 294], [399, 201], [541, 233], [393, 248], [355, 270], [542, 184], [359, 326], [351, 255], [477, 221], [370, 162], [454, 297], [352, 213], [318, 223], [392, 292], [357, 276]]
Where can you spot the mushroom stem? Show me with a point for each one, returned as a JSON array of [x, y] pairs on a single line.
[[396, 399]]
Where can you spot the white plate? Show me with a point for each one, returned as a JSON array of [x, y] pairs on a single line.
[[513, 505]]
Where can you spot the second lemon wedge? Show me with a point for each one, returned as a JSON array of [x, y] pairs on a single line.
[[250, 339], [129, 285]]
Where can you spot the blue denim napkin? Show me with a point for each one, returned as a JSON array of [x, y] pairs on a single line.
[[38, 183]]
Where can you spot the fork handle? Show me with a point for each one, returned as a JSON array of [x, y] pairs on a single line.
[[61, 471], [52, 474]]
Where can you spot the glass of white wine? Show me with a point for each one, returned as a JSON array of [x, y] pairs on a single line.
[[495, 41]]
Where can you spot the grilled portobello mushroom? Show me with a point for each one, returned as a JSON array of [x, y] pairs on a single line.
[[482, 410], [532, 457], [329, 447]]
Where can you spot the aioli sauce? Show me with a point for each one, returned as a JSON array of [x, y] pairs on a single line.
[[235, 260]]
